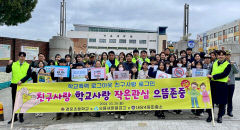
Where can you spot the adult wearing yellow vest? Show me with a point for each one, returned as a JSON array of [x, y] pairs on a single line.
[[21, 72], [219, 78], [143, 58], [111, 61]]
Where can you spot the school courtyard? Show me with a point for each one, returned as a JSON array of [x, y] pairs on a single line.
[[184, 121]]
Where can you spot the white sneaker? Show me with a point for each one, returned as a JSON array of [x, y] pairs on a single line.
[[116, 116], [122, 117], [202, 114], [40, 114]]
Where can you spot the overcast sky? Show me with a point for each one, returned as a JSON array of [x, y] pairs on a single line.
[[137, 14]]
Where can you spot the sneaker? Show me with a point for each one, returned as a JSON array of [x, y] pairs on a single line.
[[122, 117], [140, 113], [15, 119], [21, 120]]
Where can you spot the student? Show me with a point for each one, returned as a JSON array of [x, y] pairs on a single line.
[[183, 54], [35, 71], [104, 58], [97, 65], [143, 73], [158, 58], [120, 114], [152, 74], [109, 76], [207, 62], [153, 53], [122, 57], [190, 57], [57, 58], [172, 60], [86, 58], [134, 72], [68, 59], [79, 59], [61, 62], [167, 53], [163, 57], [197, 58]]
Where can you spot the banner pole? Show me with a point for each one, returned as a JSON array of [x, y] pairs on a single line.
[[14, 111], [213, 122]]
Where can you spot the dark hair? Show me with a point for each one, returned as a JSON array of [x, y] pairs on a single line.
[[51, 62], [57, 55], [166, 49], [111, 52], [77, 64], [129, 54], [40, 62], [143, 51], [68, 56], [178, 61], [86, 55], [219, 52], [199, 62], [40, 54], [122, 53], [152, 58], [213, 53], [189, 49], [22, 54], [77, 57], [159, 65], [113, 66], [143, 64], [42, 69], [183, 51], [196, 54], [102, 56], [131, 72], [171, 56], [62, 61], [135, 51], [153, 50], [119, 65], [195, 83]]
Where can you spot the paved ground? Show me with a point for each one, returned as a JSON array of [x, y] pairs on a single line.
[[185, 121]]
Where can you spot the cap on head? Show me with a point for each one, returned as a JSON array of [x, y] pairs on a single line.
[[228, 52]]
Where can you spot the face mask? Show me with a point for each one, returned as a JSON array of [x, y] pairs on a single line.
[[179, 65], [121, 69]]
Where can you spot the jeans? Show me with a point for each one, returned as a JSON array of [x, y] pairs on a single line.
[[194, 99]]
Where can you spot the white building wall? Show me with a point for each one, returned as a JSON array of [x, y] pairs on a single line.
[[151, 40]]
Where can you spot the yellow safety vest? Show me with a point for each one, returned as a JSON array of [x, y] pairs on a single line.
[[219, 69], [19, 72]]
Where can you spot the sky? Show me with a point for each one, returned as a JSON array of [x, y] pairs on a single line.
[[136, 14]]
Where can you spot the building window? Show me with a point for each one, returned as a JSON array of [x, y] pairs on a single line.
[[152, 40], [220, 33], [92, 47], [130, 48], [142, 41], [124, 35], [230, 30], [225, 32], [236, 38], [112, 40], [131, 36], [102, 47], [122, 40], [215, 35], [117, 35], [92, 39], [110, 35], [220, 42], [230, 39], [122, 48], [102, 40], [132, 41], [112, 48], [236, 28]]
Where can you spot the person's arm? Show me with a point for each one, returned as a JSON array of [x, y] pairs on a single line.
[[29, 74], [9, 68], [235, 68], [224, 74]]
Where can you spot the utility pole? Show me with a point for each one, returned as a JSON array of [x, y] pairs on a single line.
[[63, 18], [186, 20]]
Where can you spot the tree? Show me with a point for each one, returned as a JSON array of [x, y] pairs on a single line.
[[13, 12]]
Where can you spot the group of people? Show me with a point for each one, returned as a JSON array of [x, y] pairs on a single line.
[[140, 66]]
